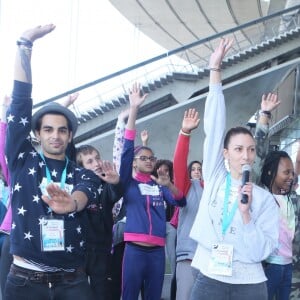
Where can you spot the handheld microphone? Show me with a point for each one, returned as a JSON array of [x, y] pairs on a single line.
[[246, 169]]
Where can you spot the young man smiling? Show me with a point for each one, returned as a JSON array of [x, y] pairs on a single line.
[[49, 193]]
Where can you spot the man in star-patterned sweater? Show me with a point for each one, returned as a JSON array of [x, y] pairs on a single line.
[[49, 193]]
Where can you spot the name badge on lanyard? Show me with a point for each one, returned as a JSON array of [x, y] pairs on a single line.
[[52, 234], [52, 227], [220, 262]]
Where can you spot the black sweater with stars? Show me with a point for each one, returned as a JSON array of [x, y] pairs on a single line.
[[28, 176]]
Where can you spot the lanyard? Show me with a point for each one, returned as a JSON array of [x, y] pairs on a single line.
[[228, 215], [63, 175]]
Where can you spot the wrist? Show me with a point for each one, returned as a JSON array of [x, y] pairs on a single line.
[[24, 42], [185, 132], [265, 113], [215, 69], [75, 210]]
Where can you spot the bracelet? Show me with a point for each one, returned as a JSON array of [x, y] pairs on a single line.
[[215, 69], [24, 42], [266, 113], [184, 133]]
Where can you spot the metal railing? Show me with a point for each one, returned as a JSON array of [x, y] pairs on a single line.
[[191, 58]]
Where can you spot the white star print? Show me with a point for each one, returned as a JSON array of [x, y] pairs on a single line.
[[70, 175], [31, 171], [100, 189], [17, 187], [10, 118], [21, 211], [13, 225], [36, 198], [70, 248], [54, 173], [33, 153], [27, 235], [21, 155], [41, 221], [71, 215], [24, 121], [81, 243], [41, 164], [78, 229]]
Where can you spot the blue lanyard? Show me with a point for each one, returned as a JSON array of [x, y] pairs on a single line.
[[4, 193], [228, 215], [63, 175]]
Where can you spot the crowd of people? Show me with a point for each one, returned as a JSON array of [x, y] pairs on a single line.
[[75, 226]]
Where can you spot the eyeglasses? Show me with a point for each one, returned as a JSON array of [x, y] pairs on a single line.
[[145, 158]]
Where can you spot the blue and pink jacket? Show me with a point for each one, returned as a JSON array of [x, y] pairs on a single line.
[[145, 214]]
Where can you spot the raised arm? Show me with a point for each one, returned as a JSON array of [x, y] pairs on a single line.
[[5, 104], [190, 122], [135, 100], [119, 138], [269, 102], [22, 70]]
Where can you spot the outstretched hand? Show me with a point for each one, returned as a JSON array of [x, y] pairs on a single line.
[[269, 102], [190, 120], [58, 199], [37, 32], [109, 173], [163, 177]]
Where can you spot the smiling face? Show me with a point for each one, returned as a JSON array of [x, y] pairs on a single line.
[[240, 151], [284, 176], [54, 136], [92, 161]]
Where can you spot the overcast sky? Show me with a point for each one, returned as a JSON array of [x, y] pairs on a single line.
[[92, 39]]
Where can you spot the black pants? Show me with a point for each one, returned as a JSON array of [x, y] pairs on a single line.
[[116, 271]]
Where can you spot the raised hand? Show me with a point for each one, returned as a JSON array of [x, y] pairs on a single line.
[[218, 55], [144, 137], [269, 102], [190, 120], [136, 98], [37, 32], [163, 177], [109, 173]]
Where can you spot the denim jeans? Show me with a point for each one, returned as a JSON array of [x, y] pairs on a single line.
[[18, 288], [206, 288], [279, 281]]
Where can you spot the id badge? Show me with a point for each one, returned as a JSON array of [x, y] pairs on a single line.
[[220, 262], [52, 234]]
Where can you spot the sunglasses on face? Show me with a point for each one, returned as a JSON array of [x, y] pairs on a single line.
[[145, 158]]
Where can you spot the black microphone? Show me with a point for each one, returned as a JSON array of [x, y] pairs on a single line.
[[246, 169]]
